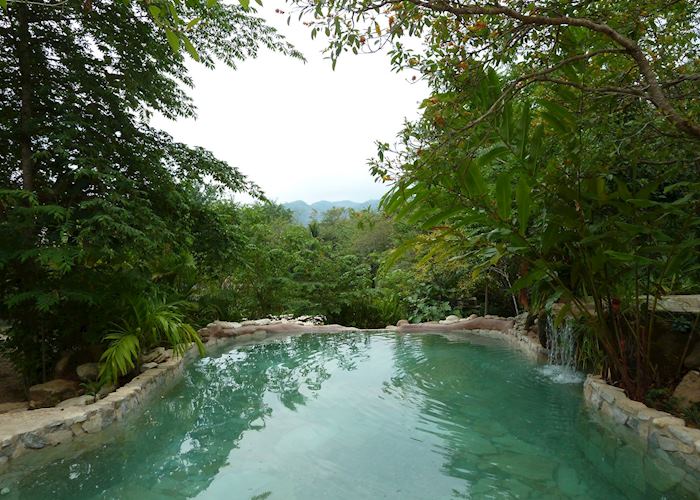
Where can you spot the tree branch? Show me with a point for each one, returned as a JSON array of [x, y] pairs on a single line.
[[654, 89]]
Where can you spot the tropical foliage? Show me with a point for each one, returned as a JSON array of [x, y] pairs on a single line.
[[97, 208], [559, 144]]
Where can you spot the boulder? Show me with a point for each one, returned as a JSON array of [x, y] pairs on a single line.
[[53, 392], [402, 322], [688, 391], [149, 366], [452, 318], [152, 355], [692, 360], [88, 371], [165, 356]]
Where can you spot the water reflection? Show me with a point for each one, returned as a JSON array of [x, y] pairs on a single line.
[[357, 416]]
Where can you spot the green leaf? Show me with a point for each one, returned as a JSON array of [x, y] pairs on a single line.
[[495, 153], [503, 196], [173, 40], [536, 143], [154, 10], [192, 23], [245, 4], [524, 129], [190, 48], [522, 198], [472, 179]]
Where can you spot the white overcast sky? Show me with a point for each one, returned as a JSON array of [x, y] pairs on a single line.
[[300, 131]]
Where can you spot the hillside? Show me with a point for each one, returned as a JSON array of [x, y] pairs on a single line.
[[305, 213]]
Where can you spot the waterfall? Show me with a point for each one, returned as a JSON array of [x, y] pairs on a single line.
[[561, 344]]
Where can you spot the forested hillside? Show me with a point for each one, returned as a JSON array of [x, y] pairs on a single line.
[[305, 212]]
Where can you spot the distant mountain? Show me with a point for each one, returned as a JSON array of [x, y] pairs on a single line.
[[305, 213]]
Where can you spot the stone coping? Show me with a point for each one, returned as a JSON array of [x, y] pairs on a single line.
[[22, 432], [659, 433], [29, 431]]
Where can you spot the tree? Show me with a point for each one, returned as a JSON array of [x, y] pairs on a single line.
[[652, 45], [96, 206], [559, 136]]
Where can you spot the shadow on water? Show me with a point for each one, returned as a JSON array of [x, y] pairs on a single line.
[[358, 416]]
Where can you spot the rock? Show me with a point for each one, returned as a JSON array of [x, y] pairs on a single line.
[[33, 441], [452, 318], [5, 491], [472, 316], [391, 328], [53, 392], [692, 360], [688, 391], [214, 329], [13, 407], [262, 322], [167, 354], [105, 390], [259, 334], [88, 371], [229, 324], [93, 424], [662, 475], [663, 422], [86, 399], [149, 366], [402, 322], [686, 434], [152, 355]]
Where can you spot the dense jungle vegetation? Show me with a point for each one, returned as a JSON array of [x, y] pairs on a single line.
[[556, 161]]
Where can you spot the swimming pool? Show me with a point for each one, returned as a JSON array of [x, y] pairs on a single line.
[[356, 415]]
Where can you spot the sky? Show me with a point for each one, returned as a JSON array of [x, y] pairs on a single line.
[[301, 131]]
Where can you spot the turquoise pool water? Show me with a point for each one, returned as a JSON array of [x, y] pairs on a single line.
[[356, 416]]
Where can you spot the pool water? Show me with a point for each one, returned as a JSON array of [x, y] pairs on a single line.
[[356, 416]]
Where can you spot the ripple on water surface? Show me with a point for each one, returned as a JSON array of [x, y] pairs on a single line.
[[358, 416]]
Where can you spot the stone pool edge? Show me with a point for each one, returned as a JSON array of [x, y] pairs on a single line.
[[659, 432], [45, 428], [35, 430]]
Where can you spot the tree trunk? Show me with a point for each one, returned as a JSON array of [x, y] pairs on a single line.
[[24, 57]]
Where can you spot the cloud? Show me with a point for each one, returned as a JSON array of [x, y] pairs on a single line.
[[300, 131]]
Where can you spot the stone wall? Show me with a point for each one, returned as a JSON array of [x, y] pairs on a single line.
[[31, 430], [659, 434], [44, 428], [22, 432]]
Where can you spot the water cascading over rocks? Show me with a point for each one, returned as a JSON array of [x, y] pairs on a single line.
[[561, 345]]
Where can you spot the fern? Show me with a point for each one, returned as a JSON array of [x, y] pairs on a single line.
[[153, 322]]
